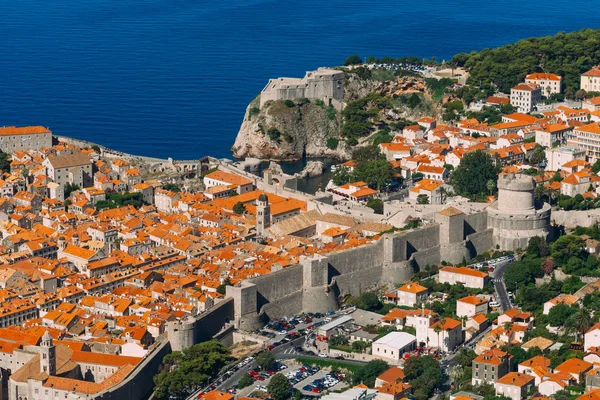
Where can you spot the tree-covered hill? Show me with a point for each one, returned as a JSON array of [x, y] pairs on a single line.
[[565, 54]]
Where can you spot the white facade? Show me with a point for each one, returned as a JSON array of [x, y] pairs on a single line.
[[393, 345], [524, 97]]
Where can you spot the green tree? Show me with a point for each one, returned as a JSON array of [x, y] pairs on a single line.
[[4, 162], [239, 208], [341, 176], [465, 357], [332, 143], [369, 372], [424, 374], [221, 289], [245, 381], [96, 148], [353, 60], [491, 186], [375, 173], [581, 321], [279, 387], [172, 187], [366, 154], [596, 167], [471, 177], [559, 314], [359, 346], [70, 188], [422, 199], [538, 156], [376, 205], [266, 360], [567, 246], [338, 340], [538, 247], [182, 372], [368, 301]]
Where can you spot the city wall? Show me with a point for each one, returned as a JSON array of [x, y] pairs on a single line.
[[138, 385], [319, 281]]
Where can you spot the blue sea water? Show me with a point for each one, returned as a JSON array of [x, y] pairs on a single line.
[[173, 77]]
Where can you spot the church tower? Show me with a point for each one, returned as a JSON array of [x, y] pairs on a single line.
[[263, 215], [47, 355]]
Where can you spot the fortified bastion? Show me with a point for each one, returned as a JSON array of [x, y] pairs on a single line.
[[318, 281], [514, 217], [323, 84]]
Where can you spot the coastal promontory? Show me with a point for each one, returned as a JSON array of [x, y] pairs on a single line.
[[290, 129]]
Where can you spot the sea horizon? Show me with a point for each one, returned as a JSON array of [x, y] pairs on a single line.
[[173, 79]]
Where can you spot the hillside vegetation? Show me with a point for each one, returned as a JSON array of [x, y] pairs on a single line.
[[565, 54]]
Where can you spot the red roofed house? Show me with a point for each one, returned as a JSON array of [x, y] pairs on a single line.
[[468, 277], [470, 306], [411, 294], [524, 97], [550, 83], [592, 104], [514, 385], [590, 80], [489, 366]]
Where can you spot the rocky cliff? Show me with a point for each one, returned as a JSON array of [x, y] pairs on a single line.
[[280, 132], [283, 131]]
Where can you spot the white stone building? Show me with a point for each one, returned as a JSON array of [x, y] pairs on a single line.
[[550, 83], [524, 97]]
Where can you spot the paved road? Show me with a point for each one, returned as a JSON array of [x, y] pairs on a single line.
[[500, 287], [285, 351]]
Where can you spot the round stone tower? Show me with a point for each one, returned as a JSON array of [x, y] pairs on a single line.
[[181, 334], [514, 217]]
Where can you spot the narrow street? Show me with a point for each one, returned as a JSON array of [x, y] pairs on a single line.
[[500, 287]]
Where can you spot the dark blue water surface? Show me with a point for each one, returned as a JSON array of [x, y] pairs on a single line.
[[173, 77]]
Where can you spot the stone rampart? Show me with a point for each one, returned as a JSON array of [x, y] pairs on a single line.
[[138, 385]]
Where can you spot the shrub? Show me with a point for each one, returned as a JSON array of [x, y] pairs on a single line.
[[289, 103], [273, 133], [331, 113], [332, 143], [352, 60], [253, 112]]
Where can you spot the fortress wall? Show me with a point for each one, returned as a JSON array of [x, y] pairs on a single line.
[[358, 281], [138, 385], [426, 257], [211, 322], [397, 273], [480, 242], [421, 239], [571, 219], [277, 285], [356, 259], [454, 253], [476, 222], [286, 305], [518, 222]]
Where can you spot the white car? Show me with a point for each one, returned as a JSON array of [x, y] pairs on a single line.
[[323, 355]]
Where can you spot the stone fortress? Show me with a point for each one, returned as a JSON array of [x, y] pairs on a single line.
[[514, 217], [318, 281], [323, 84]]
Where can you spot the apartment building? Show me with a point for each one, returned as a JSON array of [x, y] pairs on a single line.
[[590, 80], [586, 137], [550, 83], [24, 138], [524, 97]]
